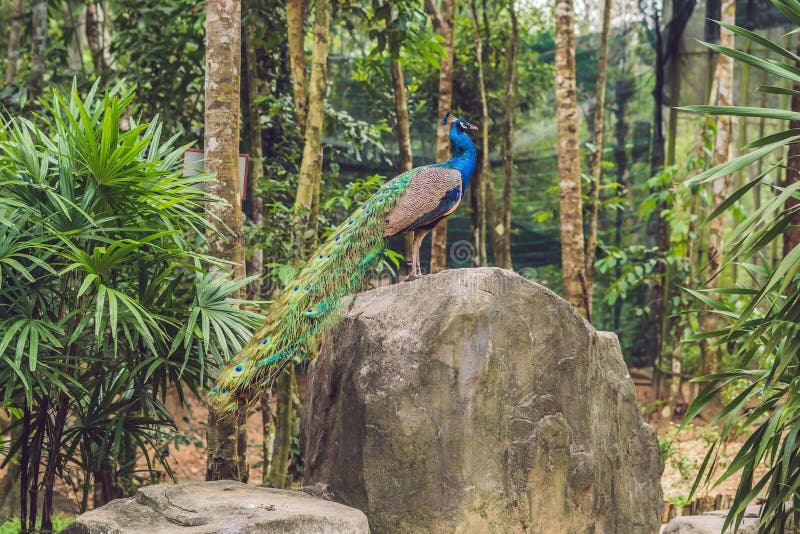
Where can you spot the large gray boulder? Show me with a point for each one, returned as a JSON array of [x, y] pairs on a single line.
[[474, 400], [220, 507]]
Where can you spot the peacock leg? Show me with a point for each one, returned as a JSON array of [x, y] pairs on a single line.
[[416, 270]]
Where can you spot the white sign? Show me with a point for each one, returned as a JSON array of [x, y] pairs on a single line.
[[193, 164]]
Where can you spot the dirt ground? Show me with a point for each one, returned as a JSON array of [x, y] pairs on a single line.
[[187, 454]]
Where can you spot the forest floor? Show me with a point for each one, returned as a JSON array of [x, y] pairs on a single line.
[[687, 449]]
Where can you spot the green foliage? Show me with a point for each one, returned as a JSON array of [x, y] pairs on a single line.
[[12, 525], [763, 332], [161, 45], [104, 300]]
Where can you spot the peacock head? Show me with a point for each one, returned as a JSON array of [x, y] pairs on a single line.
[[459, 124]]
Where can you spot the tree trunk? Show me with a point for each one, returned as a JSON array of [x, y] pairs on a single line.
[[282, 450], [623, 91], [791, 238], [310, 174], [571, 216], [24, 464], [723, 96], [93, 32], [403, 136], [502, 256], [485, 174], [268, 442], [223, 63], [295, 30], [596, 158], [105, 488], [36, 82], [53, 462], [225, 459], [674, 101], [251, 94], [443, 24], [675, 380], [14, 38]]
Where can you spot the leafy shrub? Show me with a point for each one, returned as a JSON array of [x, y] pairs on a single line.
[[764, 334], [104, 300]]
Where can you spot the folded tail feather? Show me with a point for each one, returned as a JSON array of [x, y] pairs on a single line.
[[310, 301]]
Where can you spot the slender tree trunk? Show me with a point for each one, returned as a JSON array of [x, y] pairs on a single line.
[[676, 368], [306, 205], [295, 17], [38, 443], [268, 442], [223, 64], [14, 38], [623, 90], [24, 465], [503, 256], [723, 96], [53, 461], [9, 484], [474, 219], [485, 174], [674, 101], [791, 238], [494, 222], [310, 174], [253, 85], [403, 135], [36, 82], [596, 158], [571, 217], [443, 24], [286, 387], [93, 31], [401, 112], [656, 226]]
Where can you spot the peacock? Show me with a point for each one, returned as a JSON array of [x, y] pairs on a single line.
[[414, 202]]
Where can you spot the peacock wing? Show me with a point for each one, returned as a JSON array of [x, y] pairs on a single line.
[[433, 193]]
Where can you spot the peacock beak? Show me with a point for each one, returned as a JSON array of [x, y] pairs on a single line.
[[471, 126]]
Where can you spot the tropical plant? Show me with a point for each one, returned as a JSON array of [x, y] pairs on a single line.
[[763, 335], [104, 300]]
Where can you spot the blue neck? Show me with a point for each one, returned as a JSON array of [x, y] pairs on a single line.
[[464, 155]]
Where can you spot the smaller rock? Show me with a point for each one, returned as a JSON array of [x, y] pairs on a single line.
[[711, 523], [217, 507]]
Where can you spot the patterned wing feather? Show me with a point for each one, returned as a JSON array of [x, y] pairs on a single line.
[[432, 193]]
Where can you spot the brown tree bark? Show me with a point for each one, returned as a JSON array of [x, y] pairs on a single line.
[[596, 158], [223, 64], [403, 135], [503, 256], [308, 181], [721, 95], [36, 81], [571, 215], [286, 389], [53, 463], [253, 87], [14, 38], [443, 22], [93, 30], [295, 30], [268, 441], [485, 174], [791, 238]]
